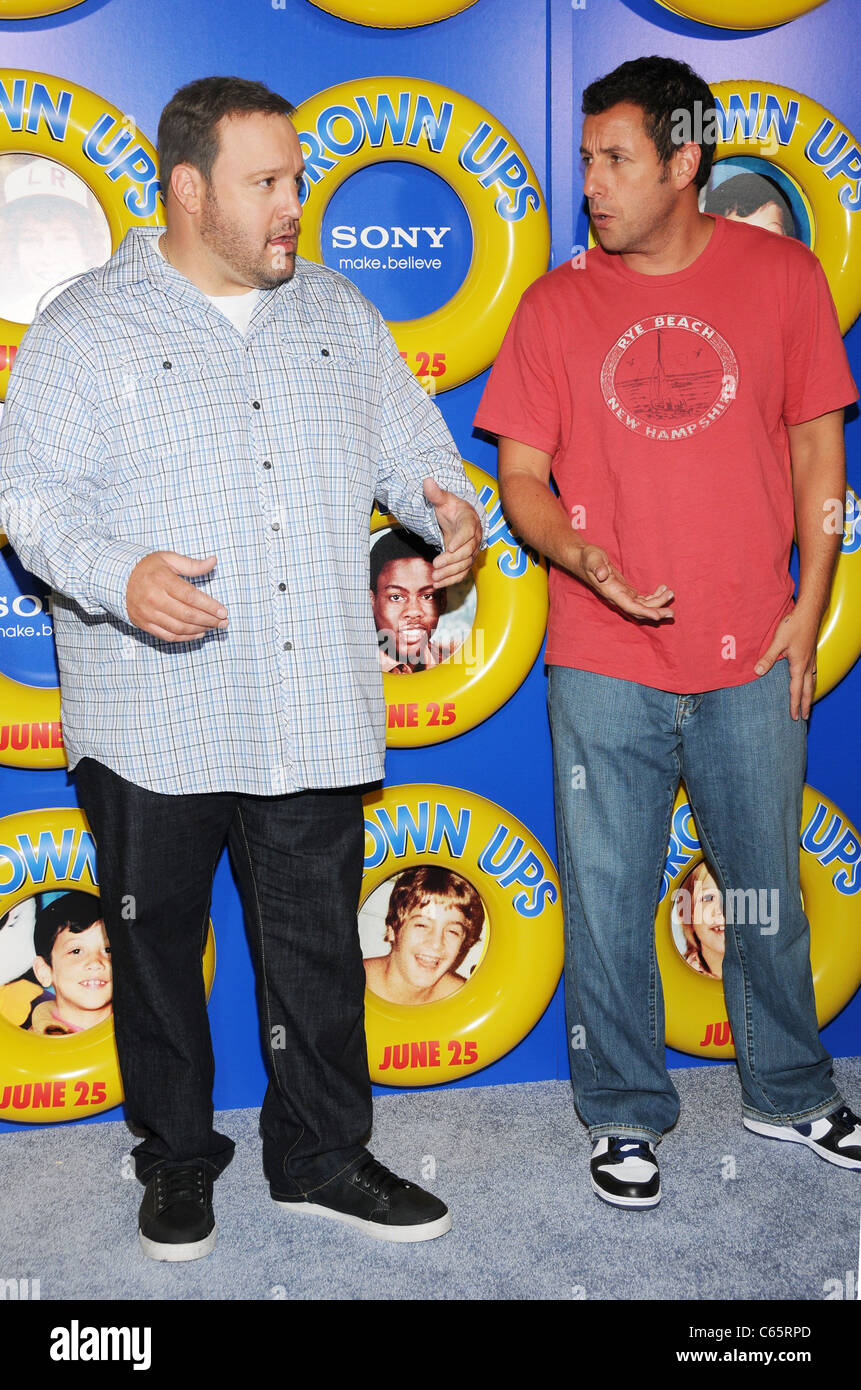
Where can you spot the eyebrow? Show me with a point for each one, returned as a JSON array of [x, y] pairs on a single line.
[[270, 173], [607, 149]]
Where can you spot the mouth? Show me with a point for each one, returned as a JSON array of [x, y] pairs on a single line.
[[285, 243], [428, 962], [413, 634], [93, 984], [601, 219]]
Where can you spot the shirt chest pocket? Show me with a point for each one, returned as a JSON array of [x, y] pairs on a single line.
[[330, 388], [168, 403]]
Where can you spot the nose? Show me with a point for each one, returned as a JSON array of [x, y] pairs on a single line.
[[437, 939], [592, 182], [289, 204]]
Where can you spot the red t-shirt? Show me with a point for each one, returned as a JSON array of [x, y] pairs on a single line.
[[664, 401]]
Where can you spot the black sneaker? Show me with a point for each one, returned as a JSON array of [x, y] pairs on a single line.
[[624, 1172], [835, 1137], [176, 1219], [377, 1201]]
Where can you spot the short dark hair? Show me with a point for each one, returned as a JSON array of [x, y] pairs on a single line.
[[75, 912], [398, 545], [186, 128], [745, 193], [662, 88]]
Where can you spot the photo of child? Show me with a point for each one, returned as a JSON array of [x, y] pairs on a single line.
[[433, 921], [698, 922], [753, 198], [72, 963], [51, 231], [417, 625]]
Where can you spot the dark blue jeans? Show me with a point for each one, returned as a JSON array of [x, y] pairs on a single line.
[[620, 750], [298, 860]]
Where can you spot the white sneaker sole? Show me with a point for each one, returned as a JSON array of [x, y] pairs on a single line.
[[791, 1136], [624, 1201], [193, 1250], [428, 1230]]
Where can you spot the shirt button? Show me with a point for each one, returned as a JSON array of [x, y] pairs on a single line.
[[282, 587], [266, 463], [288, 646], [324, 352], [256, 405], [276, 526], [167, 366]]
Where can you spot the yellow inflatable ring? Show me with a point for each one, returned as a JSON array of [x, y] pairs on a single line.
[[505, 996], [44, 1079], [783, 138], [89, 136], [696, 1019], [36, 9], [742, 14], [389, 14], [443, 701], [356, 124], [830, 192], [839, 645], [30, 731]]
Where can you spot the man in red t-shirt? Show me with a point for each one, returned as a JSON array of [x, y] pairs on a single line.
[[684, 383]]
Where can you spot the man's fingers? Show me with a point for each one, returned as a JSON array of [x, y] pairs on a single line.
[[192, 597], [433, 492], [796, 691], [452, 562], [171, 634], [185, 564], [807, 689], [610, 584], [451, 575], [767, 660], [180, 609]]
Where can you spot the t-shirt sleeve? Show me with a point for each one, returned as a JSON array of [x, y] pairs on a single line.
[[521, 399], [817, 375]]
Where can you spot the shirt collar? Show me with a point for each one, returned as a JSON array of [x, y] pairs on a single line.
[[138, 260]]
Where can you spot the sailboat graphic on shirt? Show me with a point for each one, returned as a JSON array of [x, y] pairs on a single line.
[[669, 375]]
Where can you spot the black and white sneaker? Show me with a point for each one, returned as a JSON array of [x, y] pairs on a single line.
[[176, 1217], [376, 1201], [624, 1172], [835, 1137]]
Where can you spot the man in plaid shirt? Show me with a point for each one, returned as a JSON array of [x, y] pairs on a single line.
[[193, 439]]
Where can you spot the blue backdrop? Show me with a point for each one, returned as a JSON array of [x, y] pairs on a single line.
[[527, 63]]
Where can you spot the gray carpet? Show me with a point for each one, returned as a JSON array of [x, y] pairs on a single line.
[[512, 1163]]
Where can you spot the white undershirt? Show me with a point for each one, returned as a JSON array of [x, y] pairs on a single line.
[[236, 307]]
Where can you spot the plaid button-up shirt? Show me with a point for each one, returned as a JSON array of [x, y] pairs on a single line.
[[139, 419]]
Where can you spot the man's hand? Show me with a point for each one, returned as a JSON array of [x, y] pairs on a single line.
[[595, 569], [796, 640], [160, 602], [461, 534]]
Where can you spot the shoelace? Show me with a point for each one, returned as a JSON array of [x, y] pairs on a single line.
[[623, 1147], [180, 1185], [376, 1177]]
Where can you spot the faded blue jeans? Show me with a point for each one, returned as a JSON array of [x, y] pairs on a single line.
[[620, 750]]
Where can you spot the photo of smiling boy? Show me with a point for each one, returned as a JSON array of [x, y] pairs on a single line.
[[434, 919], [73, 966], [407, 608]]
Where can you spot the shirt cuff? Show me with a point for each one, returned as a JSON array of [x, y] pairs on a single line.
[[108, 578], [451, 480]]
